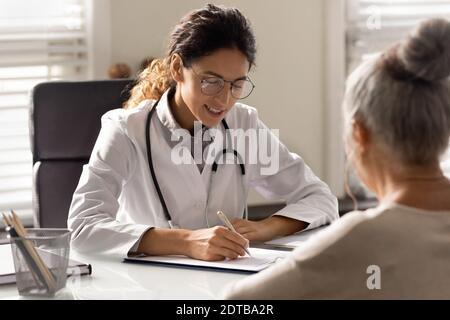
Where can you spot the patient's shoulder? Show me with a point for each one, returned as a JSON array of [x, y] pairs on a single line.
[[348, 233]]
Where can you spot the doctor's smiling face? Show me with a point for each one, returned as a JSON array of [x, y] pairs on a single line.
[[208, 88], [210, 52]]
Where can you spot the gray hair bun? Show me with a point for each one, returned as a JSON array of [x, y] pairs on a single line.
[[425, 54]]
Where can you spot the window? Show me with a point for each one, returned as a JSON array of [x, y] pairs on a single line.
[[357, 29], [40, 40], [374, 25]]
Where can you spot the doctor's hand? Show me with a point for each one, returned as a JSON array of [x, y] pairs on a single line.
[[269, 228], [215, 243]]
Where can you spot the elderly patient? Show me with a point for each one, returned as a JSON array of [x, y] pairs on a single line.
[[397, 114]]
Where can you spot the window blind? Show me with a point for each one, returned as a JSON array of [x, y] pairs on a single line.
[[374, 25], [40, 40]]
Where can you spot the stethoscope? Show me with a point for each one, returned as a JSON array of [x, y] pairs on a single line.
[[213, 169]]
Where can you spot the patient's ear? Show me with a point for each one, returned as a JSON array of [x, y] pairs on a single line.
[[361, 136], [176, 67]]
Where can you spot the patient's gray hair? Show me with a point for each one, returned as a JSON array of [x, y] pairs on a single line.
[[403, 95]]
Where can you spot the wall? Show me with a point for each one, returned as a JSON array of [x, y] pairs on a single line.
[[289, 77]]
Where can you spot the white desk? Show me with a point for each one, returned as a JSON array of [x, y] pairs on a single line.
[[113, 279]]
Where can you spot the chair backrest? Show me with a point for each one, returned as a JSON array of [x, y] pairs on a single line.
[[64, 125]]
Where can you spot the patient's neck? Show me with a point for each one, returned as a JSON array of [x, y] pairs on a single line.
[[420, 186]]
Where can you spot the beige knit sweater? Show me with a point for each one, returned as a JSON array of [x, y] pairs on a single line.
[[390, 252]]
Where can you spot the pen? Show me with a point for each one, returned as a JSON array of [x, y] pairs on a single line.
[[227, 222]]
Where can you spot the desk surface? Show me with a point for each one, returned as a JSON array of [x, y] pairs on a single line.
[[114, 279]]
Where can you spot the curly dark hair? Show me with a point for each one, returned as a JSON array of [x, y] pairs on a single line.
[[198, 34]]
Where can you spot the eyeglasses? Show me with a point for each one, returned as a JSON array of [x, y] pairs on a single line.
[[212, 85]]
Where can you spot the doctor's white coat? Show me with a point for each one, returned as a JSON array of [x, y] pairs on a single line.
[[115, 201]]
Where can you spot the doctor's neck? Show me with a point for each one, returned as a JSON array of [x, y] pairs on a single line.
[[180, 111]]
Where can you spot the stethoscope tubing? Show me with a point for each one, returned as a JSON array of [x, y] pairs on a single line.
[[214, 165]]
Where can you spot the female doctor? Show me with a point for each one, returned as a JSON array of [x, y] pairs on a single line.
[[135, 196]]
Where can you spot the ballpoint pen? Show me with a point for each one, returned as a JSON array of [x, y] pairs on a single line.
[[227, 222]]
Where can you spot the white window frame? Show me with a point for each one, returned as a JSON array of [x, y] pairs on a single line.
[[335, 75], [99, 37]]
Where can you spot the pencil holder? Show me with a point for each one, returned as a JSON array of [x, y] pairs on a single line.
[[40, 261]]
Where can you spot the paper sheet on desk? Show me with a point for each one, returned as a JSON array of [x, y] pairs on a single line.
[[295, 240], [261, 259]]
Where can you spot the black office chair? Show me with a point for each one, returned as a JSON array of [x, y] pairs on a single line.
[[64, 125]]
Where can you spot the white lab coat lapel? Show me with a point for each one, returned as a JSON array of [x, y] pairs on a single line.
[[184, 188], [181, 184]]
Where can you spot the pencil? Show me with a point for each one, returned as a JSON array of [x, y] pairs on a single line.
[[227, 222], [34, 260]]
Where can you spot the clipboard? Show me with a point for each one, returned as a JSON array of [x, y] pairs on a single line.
[[293, 241], [260, 260]]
